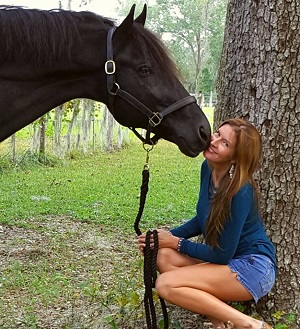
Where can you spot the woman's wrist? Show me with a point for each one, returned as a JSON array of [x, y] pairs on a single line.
[[179, 243], [175, 242]]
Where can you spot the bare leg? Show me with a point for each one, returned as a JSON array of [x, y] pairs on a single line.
[[202, 288], [169, 259]]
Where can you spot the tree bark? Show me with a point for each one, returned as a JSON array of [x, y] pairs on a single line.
[[57, 131], [42, 125], [259, 80], [13, 149], [107, 130], [86, 123], [71, 126]]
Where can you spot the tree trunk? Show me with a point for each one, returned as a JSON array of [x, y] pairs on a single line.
[[107, 130], [57, 131], [259, 80], [13, 149], [70, 127], [42, 125], [86, 124]]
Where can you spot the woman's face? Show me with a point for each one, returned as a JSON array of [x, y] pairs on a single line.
[[222, 147]]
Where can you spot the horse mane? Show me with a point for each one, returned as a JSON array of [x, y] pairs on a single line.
[[155, 49], [39, 36], [45, 36]]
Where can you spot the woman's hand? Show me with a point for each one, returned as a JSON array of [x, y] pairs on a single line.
[[165, 240]]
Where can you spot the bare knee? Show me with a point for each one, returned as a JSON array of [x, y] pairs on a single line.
[[163, 286], [164, 259]]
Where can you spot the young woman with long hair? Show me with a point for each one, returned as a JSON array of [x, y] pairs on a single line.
[[237, 261]]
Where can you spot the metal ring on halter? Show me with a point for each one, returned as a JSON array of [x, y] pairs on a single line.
[[114, 93], [150, 148]]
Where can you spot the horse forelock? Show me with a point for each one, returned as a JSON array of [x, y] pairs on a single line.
[[39, 36], [153, 47]]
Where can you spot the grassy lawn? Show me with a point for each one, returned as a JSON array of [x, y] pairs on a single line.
[[69, 257], [68, 252], [104, 188]]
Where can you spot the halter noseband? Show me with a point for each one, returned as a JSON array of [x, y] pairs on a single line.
[[114, 89]]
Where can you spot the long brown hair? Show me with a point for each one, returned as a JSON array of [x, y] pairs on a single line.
[[247, 156]]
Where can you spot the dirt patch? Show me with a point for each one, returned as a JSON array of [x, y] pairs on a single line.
[[61, 273]]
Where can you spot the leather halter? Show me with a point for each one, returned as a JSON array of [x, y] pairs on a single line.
[[114, 89]]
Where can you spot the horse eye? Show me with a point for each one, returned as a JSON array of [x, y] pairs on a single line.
[[144, 71]]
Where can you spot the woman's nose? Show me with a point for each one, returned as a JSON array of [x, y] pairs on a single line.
[[213, 140]]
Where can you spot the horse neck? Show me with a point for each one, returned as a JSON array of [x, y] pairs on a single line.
[[28, 91]]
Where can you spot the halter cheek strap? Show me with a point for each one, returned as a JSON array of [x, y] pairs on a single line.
[[114, 90]]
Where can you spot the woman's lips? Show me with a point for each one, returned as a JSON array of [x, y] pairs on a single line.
[[211, 150]]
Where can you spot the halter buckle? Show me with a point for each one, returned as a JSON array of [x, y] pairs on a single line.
[[110, 67], [155, 120]]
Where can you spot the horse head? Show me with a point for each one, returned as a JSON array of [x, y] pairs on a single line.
[[143, 70], [50, 57]]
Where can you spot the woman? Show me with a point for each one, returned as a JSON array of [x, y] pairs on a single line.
[[237, 262]]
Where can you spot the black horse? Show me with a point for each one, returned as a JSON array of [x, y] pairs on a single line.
[[50, 57]]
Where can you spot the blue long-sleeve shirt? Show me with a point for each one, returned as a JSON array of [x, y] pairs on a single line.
[[243, 232]]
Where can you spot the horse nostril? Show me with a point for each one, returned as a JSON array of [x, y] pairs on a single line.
[[205, 135]]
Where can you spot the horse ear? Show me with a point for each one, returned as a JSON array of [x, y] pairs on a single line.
[[126, 25], [124, 30], [141, 19]]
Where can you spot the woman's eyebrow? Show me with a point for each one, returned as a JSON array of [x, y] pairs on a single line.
[[224, 139]]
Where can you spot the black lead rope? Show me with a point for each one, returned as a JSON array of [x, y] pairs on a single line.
[[150, 257], [143, 195]]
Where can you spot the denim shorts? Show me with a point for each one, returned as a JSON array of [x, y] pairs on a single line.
[[255, 272]]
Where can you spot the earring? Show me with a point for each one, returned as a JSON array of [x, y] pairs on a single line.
[[231, 171]]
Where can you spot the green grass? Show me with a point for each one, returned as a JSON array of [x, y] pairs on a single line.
[[59, 273], [68, 251], [104, 188], [209, 112], [69, 258]]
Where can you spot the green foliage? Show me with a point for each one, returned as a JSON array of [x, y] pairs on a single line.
[[283, 319], [193, 31], [27, 160], [127, 295]]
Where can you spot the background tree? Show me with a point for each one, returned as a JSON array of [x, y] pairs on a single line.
[[259, 80], [193, 32]]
